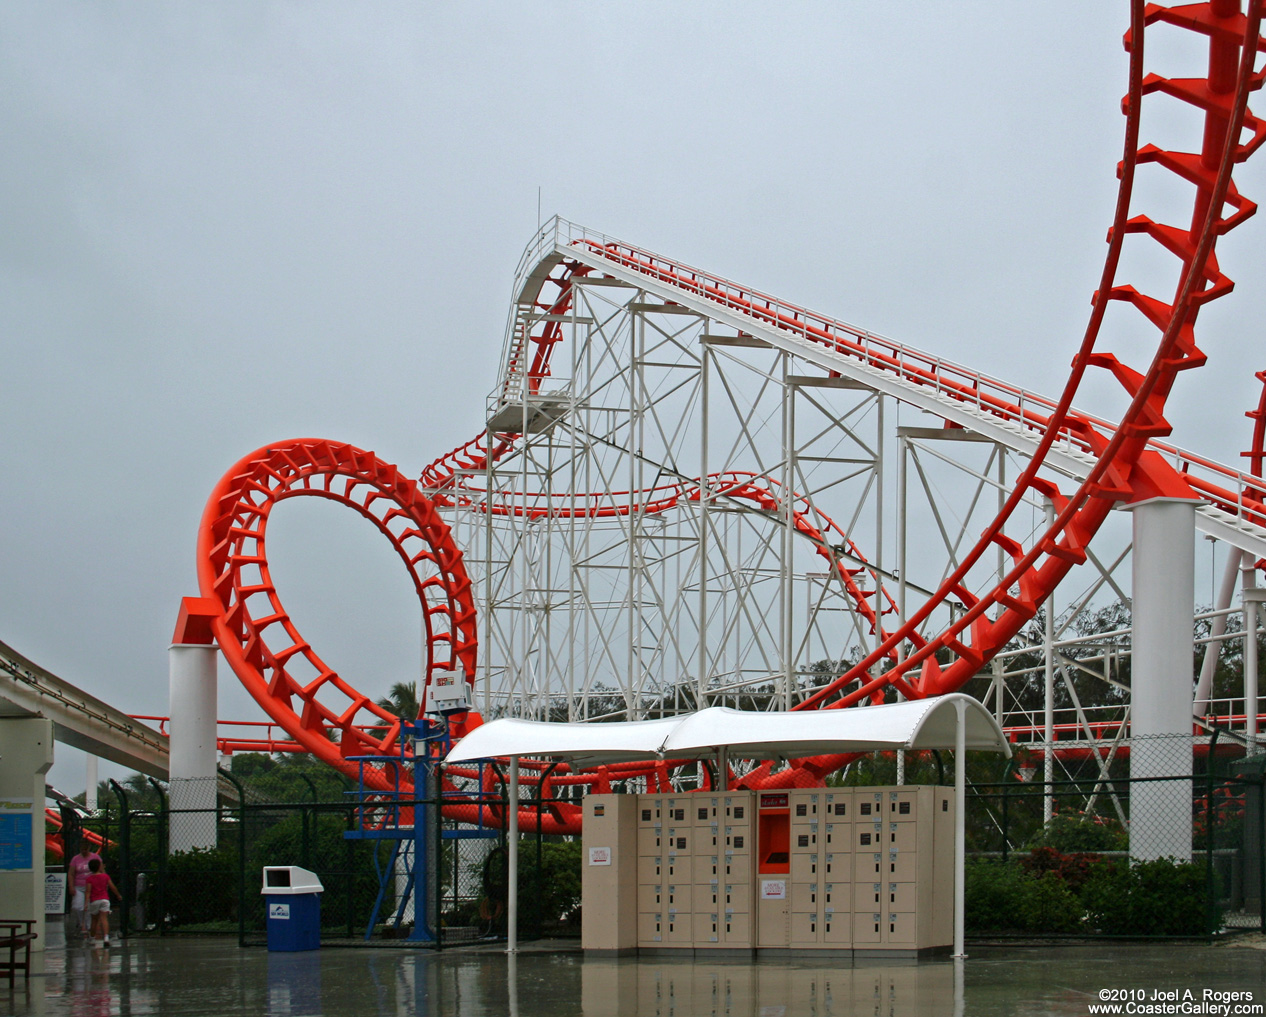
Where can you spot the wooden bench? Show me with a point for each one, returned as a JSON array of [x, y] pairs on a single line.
[[17, 935]]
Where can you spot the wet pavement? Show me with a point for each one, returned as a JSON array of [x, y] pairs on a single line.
[[212, 976]]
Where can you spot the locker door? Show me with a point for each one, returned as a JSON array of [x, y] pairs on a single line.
[[804, 836], [868, 867], [650, 897], [680, 897], [804, 897], [839, 896], [902, 896], [838, 805], [804, 867], [680, 840], [679, 929], [648, 840], [738, 928], [738, 897], [868, 837], [738, 810], [902, 836], [805, 928], [900, 928], [868, 896], [773, 923], [648, 869], [900, 866], [837, 928], [649, 932], [902, 805], [867, 928]]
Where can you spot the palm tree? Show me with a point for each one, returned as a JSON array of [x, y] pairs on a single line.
[[402, 700]]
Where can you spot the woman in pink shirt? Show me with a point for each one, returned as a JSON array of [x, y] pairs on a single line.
[[79, 873], [100, 886]]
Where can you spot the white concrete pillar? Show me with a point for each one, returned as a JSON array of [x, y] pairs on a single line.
[[1253, 600], [90, 783], [26, 753], [960, 826], [1164, 573], [192, 707]]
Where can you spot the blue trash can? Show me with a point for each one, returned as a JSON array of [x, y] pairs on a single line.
[[293, 898]]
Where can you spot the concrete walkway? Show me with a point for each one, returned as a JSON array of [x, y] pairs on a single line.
[[211, 977]]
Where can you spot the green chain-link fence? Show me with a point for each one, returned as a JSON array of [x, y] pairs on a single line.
[[1046, 859]]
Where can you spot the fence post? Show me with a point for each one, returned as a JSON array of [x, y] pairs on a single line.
[[437, 852], [1210, 907], [309, 821], [349, 862], [536, 883], [164, 839], [1261, 852], [125, 861], [241, 853], [1006, 801]]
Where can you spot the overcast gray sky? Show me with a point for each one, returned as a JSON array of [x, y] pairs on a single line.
[[226, 224]]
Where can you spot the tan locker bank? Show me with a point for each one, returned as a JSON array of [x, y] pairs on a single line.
[[822, 869], [609, 870]]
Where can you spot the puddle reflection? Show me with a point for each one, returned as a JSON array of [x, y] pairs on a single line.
[[686, 988]]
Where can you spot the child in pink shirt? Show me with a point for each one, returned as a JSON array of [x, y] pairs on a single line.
[[100, 886]]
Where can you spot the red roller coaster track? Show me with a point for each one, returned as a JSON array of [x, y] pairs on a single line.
[[1129, 463]]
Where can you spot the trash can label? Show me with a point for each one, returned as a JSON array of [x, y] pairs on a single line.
[[279, 911]]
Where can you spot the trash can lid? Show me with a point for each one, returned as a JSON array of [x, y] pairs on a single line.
[[290, 879]]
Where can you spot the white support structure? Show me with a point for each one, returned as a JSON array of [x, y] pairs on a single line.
[[1253, 599], [640, 558], [26, 754], [960, 825], [1161, 740], [512, 850], [90, 782], [192, 707]]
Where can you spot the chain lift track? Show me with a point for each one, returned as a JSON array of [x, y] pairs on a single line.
[[1114, 462]]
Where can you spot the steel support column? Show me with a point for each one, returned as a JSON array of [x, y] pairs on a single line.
[[192, 706], [1163, 603]]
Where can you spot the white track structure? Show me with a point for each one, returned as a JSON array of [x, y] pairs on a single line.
[[612, 579], [690, 492]]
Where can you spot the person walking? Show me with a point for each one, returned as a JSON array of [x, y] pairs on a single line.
[[100, 886], [79, 873]]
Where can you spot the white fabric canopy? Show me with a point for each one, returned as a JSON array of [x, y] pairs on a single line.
[[746, 734], [583, 744], [917, 724]]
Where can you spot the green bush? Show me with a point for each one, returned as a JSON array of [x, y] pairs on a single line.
[[1002, 897], [201, 886], [1157, 898], [546, 898], [1048, 905], [1071, 834], [991, 896]]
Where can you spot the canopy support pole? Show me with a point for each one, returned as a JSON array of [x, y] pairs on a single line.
[[512, 879], [960, 820], [723, 768]]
